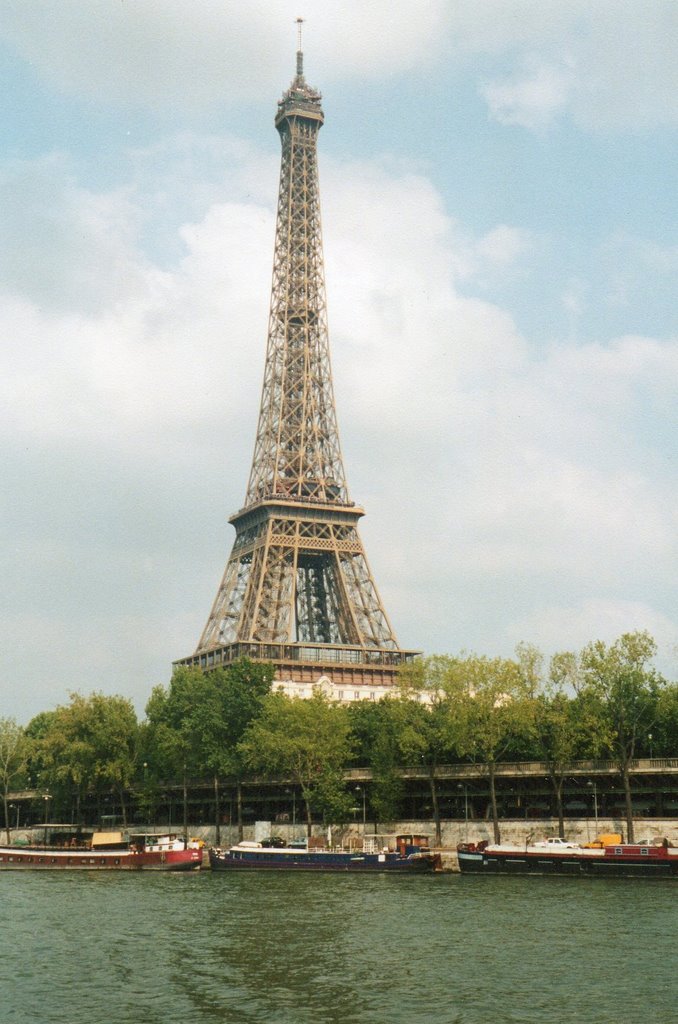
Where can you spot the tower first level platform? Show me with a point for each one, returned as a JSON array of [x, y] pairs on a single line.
[[297, 591], [342, 673]]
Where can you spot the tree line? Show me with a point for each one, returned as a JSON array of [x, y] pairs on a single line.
[[230, 726]]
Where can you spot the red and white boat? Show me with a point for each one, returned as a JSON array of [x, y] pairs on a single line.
[[69, 848]]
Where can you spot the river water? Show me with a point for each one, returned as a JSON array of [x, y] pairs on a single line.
[[319, 949]]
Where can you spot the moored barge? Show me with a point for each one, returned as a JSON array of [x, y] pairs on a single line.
[[65, 847], [403, 854], [619, 860]]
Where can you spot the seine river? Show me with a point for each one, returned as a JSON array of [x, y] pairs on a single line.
[[290, 949]]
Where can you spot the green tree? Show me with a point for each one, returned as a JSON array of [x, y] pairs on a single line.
[[174, 748], [307, 741], [425, 739], [375, 730], [232, 700], [13, 759], [488, 702], [480, 707], [622, 689], [432, 730], [557, 739], [663, 740], [113, 732], [89, 744], [197, 723]]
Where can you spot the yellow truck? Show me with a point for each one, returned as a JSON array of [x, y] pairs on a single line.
[[606, 839]]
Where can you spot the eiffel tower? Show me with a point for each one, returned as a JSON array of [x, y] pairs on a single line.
[[297, 590]]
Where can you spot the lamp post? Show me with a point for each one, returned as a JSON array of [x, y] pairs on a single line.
[[148, 809], [595, 800], [361, 789], [185, 807], [293, 792], [46, 798], [461, 785]]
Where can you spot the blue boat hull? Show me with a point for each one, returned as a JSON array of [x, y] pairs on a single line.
[[311, 860]]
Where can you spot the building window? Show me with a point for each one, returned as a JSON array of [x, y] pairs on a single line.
[[373, 695], [356, 695], [340, 695]]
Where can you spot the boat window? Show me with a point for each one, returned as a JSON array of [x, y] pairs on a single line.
[[644, 851], [618, 851]]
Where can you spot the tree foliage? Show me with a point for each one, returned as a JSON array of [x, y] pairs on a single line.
[[195, 725], [622, 689], [13, 760], [225, 725], [90, 743], [307, 741]]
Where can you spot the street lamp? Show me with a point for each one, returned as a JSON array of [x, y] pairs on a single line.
[[146, 801], [361, 789], [294, 806], [595, 800], [461, 785], [46, 798]]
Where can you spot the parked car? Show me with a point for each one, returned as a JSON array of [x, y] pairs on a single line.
[[556, 843]]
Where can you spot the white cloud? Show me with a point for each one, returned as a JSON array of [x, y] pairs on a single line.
[[197, 52], [609, 65], [494, 477], [502, 245], [531, 100], [63, 245]]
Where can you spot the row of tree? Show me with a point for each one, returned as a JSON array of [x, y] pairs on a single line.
[[229, 725]]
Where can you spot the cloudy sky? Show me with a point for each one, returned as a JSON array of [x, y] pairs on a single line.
[[498, 180]]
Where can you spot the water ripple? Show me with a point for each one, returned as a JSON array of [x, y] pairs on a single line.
[[307, 949]]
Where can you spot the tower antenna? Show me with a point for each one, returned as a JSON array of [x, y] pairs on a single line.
[[300, 55]]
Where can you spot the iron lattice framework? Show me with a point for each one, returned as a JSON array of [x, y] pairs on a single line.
[[297, 588]]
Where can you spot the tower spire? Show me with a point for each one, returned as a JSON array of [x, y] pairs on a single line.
[[297, 589], [300, 54]]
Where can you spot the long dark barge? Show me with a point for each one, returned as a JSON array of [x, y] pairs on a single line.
[[622, 860], [403, 854]]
